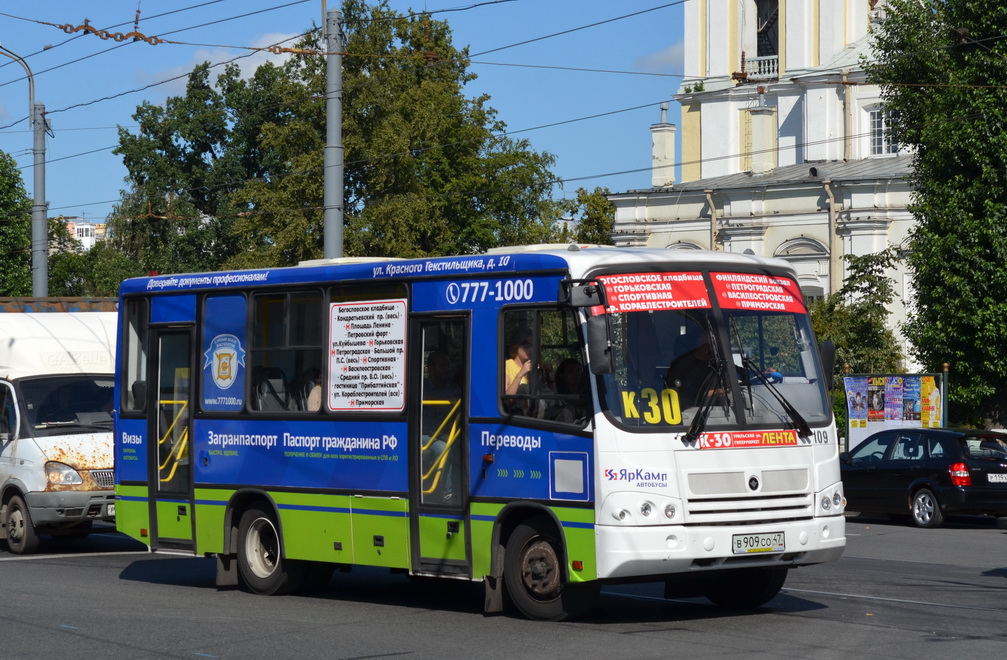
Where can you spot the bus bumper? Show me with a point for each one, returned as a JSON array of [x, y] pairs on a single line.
[[630, 552]]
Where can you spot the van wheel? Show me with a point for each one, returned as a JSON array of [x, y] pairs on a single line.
[[534, 576], [260, 563], [22, 539], [926, 510]]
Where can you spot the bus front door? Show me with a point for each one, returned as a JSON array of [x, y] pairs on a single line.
[[439, 446], [170, 425]]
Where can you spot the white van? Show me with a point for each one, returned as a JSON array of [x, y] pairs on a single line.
[[56, 459]]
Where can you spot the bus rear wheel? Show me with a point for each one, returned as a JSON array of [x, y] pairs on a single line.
[[260, 562], [745, 588], [534, 576]]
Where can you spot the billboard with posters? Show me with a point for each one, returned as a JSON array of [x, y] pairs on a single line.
[[880, 401]]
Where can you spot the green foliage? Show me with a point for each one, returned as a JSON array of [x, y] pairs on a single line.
[[595, 216], [854, 318], [231, 173], [942, 68], [15, 231]]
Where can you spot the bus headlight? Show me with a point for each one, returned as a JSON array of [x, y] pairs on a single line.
[[61, 474], [831, 501], [640, 509]]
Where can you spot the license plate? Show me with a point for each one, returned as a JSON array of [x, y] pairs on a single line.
[[997, 478], [110, 508], [743, 544]]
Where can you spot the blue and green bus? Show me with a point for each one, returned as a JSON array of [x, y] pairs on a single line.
[[541, 419]]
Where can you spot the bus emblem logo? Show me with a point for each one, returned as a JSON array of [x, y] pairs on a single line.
[[223, 358]]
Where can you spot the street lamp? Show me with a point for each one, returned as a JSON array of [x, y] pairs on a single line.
[[39, 237]]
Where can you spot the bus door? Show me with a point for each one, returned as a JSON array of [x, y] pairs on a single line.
[[170, 430], [438, 436]]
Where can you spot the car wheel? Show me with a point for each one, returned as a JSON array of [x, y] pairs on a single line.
[[926, 510], [22, 539]]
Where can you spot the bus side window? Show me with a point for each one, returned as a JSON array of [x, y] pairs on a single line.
[[542, 371], [286, 351]]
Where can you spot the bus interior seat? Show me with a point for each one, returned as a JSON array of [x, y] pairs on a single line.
[[271, 390], [139, 392]]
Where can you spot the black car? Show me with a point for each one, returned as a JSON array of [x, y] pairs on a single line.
[[927, 473]]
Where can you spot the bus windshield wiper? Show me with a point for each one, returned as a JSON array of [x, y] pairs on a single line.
[[715, 371], [800, 424]]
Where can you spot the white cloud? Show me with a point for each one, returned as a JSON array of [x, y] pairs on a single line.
[[248, 64], [669, 60]]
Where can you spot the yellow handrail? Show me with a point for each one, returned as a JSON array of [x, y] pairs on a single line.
[[178, 449], [438, 465], [178, 416], [180, 446], [447, 418]]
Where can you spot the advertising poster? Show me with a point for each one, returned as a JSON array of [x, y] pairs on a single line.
[[877, 402], [876, 399], [893, 398], [224, 354], [931, 408], [912, 406], [856, 400]]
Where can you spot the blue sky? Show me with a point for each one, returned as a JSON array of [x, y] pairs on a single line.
[[551, 89]]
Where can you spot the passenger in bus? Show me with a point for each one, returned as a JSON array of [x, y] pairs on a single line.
[[569, 382], [517, 369], [311, 389], [519, 363]]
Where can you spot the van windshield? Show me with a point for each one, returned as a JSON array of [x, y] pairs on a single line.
[[73, 403]]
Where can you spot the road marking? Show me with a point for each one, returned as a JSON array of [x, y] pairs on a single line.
[[66, 554], [893, 600]]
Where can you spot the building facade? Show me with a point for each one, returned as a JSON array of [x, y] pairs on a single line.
[[784, 145]]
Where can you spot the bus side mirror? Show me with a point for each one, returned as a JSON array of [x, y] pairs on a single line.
[[583, 293], [827, 354], [599, 347]]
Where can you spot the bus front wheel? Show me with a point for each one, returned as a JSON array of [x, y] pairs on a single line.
[[534, 576], [745, 588], [260, 562]]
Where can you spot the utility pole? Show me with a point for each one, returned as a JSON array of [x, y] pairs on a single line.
[[39, 223], [332, 179]]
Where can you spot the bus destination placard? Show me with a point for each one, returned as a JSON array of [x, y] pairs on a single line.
[[648, 292], [763, 293], [367, 355]]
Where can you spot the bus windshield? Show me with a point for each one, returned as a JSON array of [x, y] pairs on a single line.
[[751, 367]]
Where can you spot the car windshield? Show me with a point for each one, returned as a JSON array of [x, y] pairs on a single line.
[[67, 404], [670, 364]]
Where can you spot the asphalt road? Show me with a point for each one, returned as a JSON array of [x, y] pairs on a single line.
[[898, 592]]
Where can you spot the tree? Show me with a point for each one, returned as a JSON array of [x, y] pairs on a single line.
[[942, 68], [594, 215], [231, 173], [854, 319], [15, 231], [428, 171]]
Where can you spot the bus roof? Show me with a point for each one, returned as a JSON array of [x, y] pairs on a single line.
[[45, 343], [577, 259]]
